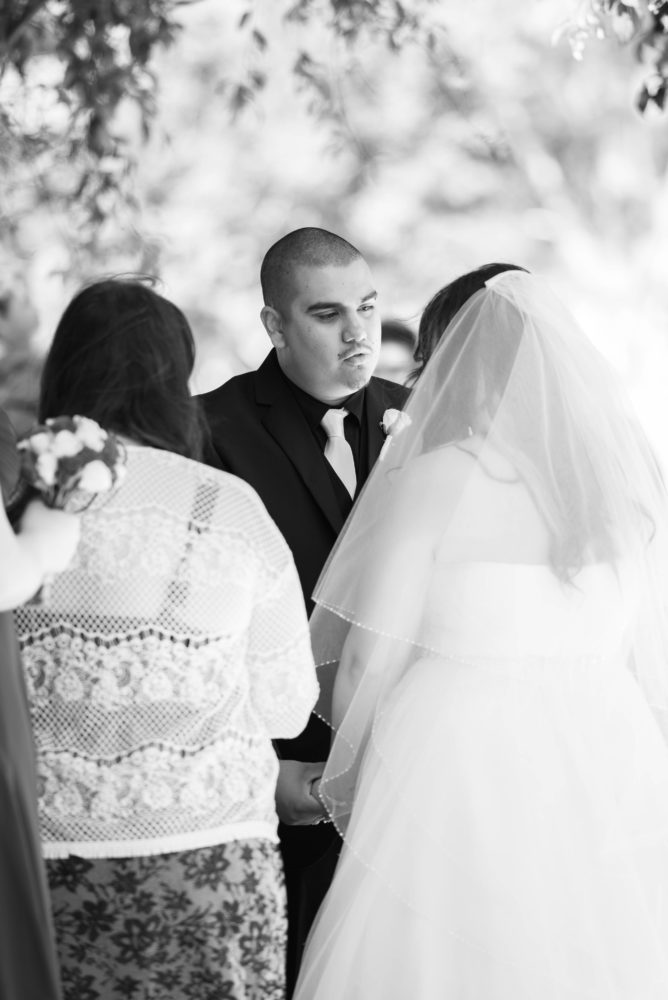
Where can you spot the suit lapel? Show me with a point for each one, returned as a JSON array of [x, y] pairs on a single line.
[[285, 422]]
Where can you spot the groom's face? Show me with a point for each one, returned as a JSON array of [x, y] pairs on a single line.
[[327, 333]]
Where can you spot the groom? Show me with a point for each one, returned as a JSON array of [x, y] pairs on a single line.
[[304, 430]]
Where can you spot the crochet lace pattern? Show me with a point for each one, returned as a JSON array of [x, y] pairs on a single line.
[[160, 665]]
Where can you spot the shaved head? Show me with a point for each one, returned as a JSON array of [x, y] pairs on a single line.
[[308, 247]]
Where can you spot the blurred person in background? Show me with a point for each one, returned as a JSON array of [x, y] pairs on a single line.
[[45, 543], [20, 365], [397, 346], [304, 430], [160, 665]]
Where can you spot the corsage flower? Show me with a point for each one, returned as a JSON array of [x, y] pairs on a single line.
[[69, 457]]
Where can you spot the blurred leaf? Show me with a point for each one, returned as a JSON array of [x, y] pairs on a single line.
[[644, 22], [259, 40]]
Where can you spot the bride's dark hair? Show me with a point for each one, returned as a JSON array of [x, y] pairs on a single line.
[[545, 432], [445, 305], [122, 355]]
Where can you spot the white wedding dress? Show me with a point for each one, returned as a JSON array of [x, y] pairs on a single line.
[[509, 835]]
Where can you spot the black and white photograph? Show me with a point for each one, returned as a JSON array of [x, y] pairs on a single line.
[[334, 481]]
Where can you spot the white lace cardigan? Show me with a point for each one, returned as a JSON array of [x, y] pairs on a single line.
[[160, 665]]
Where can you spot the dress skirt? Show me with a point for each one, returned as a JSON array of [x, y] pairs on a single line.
[[27, 954], [198, 925], [508, 841]]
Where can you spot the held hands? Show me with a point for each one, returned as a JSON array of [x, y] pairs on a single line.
[[53, 535], [297, 803]]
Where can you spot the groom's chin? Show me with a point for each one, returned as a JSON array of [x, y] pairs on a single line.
[[355, 378]]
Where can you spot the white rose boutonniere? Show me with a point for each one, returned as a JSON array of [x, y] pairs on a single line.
[[393, 422]]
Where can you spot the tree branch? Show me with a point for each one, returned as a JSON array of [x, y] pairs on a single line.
[[21, 24]]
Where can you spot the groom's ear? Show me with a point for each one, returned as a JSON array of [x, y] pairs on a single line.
[[273, 324]]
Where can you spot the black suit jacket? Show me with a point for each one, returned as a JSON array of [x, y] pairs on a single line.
[[259, 432]]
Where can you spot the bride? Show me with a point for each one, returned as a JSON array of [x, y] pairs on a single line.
[[492, 633]]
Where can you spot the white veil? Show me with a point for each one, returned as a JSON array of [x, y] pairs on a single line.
[[514, 384], [497, 775]]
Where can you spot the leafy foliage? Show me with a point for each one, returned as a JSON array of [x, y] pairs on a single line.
[[492, 144], [77, 84], [351, 22], [641, 22], [67, 70]]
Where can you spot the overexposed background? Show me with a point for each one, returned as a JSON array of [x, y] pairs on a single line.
[[497, 145]]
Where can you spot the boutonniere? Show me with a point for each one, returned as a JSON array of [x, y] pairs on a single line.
[[393, 422]]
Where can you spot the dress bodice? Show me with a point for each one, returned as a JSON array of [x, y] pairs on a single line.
[[511, 610]]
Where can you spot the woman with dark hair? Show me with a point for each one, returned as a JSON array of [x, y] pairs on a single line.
[[496, 614], [159, 668], [122, 355]]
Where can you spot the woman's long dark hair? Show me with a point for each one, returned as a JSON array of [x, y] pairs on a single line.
[[122, 355]]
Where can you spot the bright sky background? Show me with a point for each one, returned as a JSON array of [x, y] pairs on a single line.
[[501, 148]]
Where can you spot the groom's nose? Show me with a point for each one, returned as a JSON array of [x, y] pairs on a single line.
[[353, 329]]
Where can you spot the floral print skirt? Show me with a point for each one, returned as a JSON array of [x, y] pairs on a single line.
[[207, 924]]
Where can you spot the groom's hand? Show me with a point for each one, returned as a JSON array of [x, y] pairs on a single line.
[[295, 803]]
